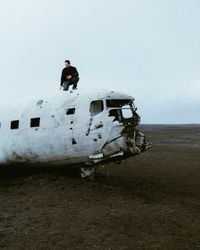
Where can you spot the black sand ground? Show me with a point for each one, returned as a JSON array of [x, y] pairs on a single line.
[[151, 201]]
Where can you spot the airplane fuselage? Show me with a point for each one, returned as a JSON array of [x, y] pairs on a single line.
[[70, 127]]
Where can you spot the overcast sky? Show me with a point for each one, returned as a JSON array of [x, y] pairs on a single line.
[[148, 48]]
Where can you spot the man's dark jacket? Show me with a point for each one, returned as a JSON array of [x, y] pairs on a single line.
[[68, 71]]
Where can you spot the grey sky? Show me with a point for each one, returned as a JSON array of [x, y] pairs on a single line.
[[149, 48]]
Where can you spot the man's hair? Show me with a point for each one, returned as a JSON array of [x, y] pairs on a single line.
[[67, 61]]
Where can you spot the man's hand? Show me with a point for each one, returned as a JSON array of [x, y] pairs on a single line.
[[69, 77]]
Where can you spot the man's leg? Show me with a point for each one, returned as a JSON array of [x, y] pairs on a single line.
[[65, 86], [75, 81]]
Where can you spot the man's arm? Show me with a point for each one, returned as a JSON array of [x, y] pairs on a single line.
[[62, 77], [75, 72]]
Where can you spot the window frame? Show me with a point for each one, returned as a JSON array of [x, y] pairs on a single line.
[[93, 112], [70, 111], [35, 122], [14, 124]]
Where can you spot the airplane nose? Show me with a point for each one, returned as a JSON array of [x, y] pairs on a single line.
[[135, 140]]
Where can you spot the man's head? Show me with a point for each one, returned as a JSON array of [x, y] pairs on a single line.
[[67, 63]]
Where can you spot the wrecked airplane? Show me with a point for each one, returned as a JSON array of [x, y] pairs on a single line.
[[80, 128]]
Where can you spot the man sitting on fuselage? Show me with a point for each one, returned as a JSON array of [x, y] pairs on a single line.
[[69, 76]]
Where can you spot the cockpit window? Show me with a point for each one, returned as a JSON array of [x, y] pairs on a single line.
[[96, 107], [127, 112], [117, 103]]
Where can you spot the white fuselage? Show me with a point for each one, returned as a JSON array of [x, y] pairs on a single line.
[[68, 127]]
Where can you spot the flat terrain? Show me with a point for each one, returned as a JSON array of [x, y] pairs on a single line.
[[151, 201]]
